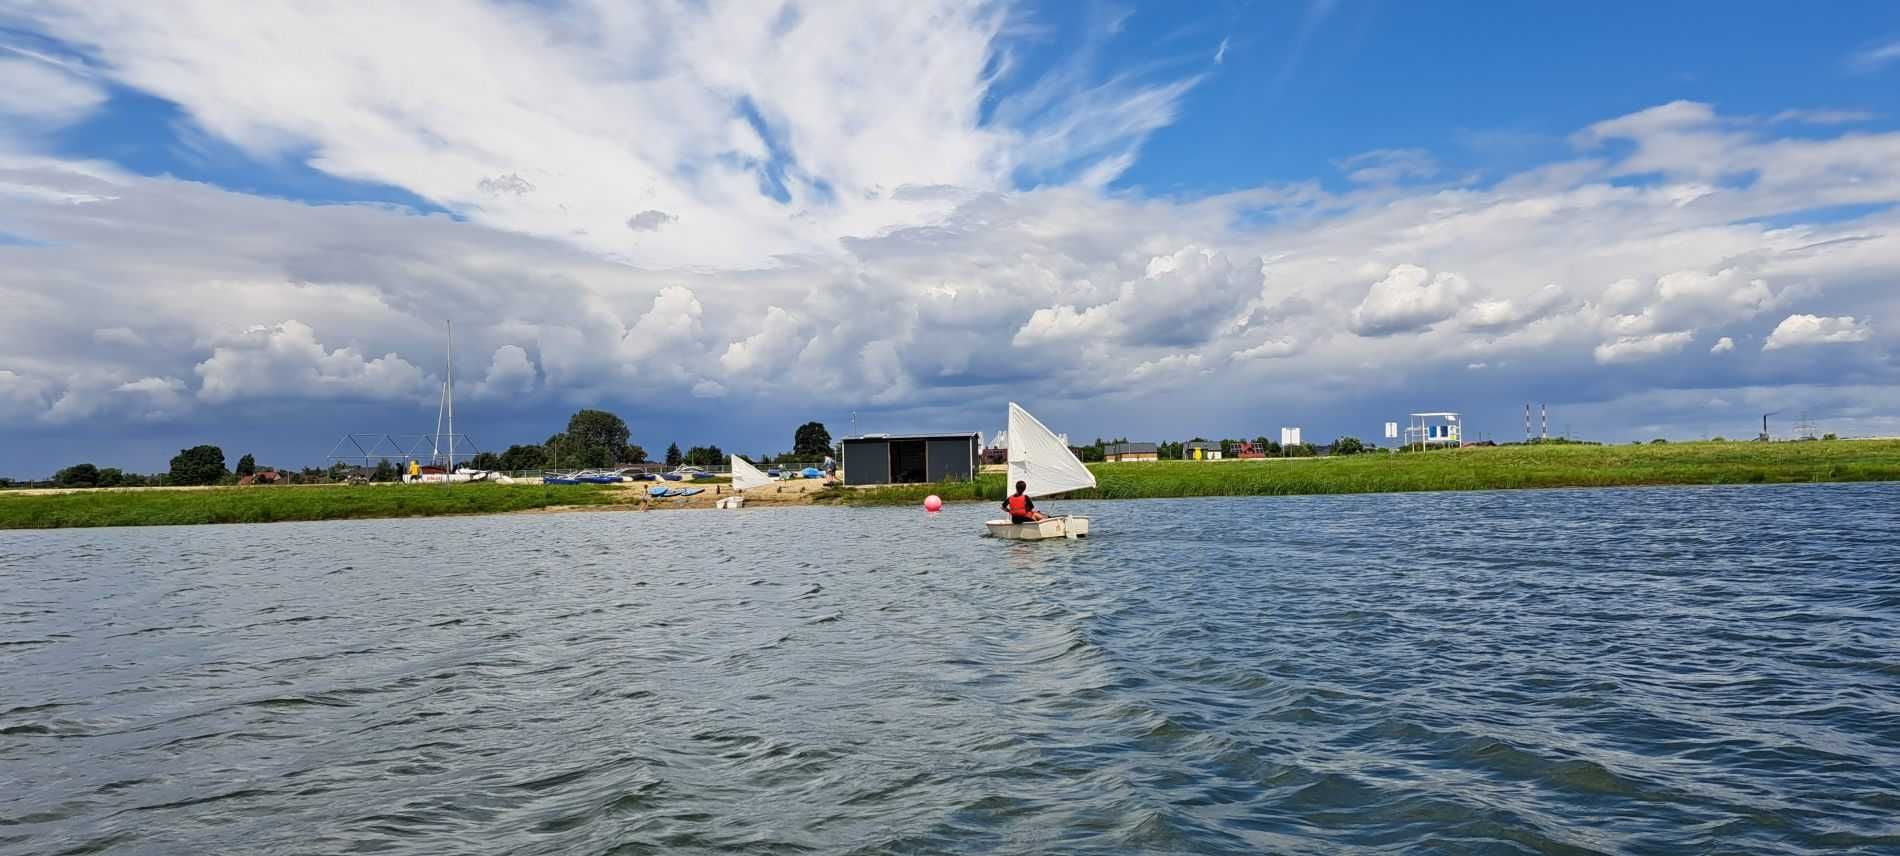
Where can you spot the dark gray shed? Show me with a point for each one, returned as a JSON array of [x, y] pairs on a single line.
[[909, 458]]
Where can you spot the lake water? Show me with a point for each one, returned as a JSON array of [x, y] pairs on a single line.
[[1652, 670]]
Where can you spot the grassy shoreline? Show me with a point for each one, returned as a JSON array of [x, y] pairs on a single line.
[[145, 507], [1486, 468], [1500, 468]]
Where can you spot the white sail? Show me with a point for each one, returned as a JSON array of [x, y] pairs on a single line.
[[746, 476], [1039, 457]]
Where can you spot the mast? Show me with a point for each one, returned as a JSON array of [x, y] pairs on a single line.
[[449, 395], [441, 407]]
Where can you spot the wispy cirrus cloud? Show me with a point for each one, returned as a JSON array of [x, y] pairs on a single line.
[[1875, 58]]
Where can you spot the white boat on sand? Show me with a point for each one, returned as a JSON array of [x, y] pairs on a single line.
[[745, 476], [1044, 462]]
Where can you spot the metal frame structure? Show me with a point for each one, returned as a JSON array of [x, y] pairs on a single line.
[[1420, 431], [409, 447], [401, 448]]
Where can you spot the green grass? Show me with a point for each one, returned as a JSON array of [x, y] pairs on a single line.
[[280, 503], [1483, 468]]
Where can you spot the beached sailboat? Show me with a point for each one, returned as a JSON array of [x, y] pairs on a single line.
[[745, 476], [444, 471], [1041, 459]]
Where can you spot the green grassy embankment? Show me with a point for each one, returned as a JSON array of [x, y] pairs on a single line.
[[1478, 468], [282, 503]]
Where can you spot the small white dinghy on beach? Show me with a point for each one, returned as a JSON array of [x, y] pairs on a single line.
[[745, 477], [1040, 459]]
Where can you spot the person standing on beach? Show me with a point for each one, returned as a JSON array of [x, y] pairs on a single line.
[[831, 468]]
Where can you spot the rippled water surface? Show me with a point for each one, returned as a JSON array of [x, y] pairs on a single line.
[[1660, 670]]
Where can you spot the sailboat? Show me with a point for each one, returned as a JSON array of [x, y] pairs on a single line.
[[745, 477], [447, 472], [1038, 457]]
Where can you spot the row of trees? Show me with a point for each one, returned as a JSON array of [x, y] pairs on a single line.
[[593, 439], [198, 465], [597, 439]]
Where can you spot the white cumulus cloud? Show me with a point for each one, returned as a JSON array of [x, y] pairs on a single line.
[[1408, 299], [1627, 349], [510, 373], [285, 360], [1801, 330]]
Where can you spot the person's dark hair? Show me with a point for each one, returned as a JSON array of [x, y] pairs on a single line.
[[1021, 486]]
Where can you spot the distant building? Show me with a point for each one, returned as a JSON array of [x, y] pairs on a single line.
[[1201, 450], [909, 458], [1126, 452]]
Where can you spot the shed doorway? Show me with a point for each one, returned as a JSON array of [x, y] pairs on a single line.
[[908, 462]]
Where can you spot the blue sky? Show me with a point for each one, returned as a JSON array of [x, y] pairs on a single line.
[[1151, 220]]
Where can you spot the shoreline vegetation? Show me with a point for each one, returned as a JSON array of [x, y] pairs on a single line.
[[1477, 468], [1469, 469], [277, 504]]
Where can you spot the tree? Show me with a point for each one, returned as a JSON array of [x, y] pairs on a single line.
[[111, 477], [385, 471], [520, 457], [1830, 436], [485, 461], [705, 456], [77, 475], [247, 465], [198, 465], [673, 455], [811, 441], [635, 455], [594, 438], [1348, 446]]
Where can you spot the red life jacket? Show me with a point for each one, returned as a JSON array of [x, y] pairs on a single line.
[[1018, 505]]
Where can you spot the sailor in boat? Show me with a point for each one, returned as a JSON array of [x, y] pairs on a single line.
[[1021, 508]]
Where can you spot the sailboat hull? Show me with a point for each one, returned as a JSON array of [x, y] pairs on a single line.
[[1053, 527]]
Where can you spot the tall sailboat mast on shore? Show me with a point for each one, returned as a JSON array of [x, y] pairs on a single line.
[[445, 409]]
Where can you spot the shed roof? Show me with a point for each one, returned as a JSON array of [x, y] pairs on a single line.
[[1129, 448], [879, 438]]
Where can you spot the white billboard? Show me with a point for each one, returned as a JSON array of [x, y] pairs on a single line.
[[1391, 430], [1289, 436]]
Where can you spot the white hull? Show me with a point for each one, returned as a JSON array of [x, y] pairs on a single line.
[[438, 478], [730, 502], [1054, 527]]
